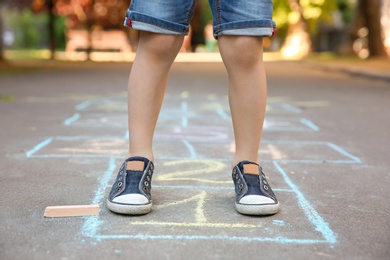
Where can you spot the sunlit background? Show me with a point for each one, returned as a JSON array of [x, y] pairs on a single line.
[[93, 29]]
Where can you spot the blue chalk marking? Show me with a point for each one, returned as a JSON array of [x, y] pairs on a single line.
[[190, 148], [319, 223], [222, 113], [282, 240], [343, 152], [90, 227], [71, 119], [100, 120], [292, 108], [289, 129], [278, 222], [91, 224], [87, 137], [281, 123], [184, 118], [83, 105], [310, 124], [38, 147], [329, 144], [292, 142], [193, 155], [100, 192], [127, 135], [183, 158]]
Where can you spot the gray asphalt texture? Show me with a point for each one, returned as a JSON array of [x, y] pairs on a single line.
[[325, 150]]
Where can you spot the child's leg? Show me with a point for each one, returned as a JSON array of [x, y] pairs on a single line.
[[163, 25], [147, 84], [243, 58], [130, 193]]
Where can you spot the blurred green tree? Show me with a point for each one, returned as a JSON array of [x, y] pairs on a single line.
[[13, 3], [37, 6], [298, 20], [1, 31], [30, 34]]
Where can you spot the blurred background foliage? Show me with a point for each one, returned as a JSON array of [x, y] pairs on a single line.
[[29, 29], [304, 26]]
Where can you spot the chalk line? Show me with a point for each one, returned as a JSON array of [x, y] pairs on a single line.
[[72, 119], [319, 223]]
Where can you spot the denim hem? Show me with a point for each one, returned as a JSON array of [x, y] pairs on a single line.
[[248, 27], [141, 26], [263, 32], [148, 23]]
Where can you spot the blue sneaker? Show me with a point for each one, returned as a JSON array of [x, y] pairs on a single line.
[[254, 195], [130, 193]]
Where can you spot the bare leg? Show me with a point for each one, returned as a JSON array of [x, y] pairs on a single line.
[[130, 193], [147, 84], [243, 59]]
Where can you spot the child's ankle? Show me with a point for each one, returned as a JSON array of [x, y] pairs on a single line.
[[148, 156]]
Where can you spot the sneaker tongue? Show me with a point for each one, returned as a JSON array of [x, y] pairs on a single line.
[[135, 166], [253, 183], [132, 179]]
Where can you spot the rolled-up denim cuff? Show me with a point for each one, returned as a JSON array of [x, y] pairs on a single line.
[[265, 32], [263, 28], [143, 22]]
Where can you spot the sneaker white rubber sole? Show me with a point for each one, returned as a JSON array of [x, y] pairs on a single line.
[[127, 209], [253, 209]]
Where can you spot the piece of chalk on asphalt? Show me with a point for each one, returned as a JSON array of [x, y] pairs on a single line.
[[71, 211]]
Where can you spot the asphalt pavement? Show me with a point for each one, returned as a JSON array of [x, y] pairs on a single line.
[[324, 149]]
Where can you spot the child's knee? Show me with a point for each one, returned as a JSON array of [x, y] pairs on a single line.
[[162, 45], [242, 50]]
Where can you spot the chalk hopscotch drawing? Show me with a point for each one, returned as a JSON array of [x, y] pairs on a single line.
[[192, 143]]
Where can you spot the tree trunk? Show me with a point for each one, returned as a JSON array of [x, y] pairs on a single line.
[[298, 42], [50, 28], [370, 10], [90, 23]]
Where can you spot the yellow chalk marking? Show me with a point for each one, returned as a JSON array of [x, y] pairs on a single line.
[[199, 212], [208, 167], [97, 146], [212, 106], [314, 103], [204, 224], [196, 179], [185, 94]]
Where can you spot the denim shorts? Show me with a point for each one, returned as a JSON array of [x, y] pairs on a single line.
[[230, 17]]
